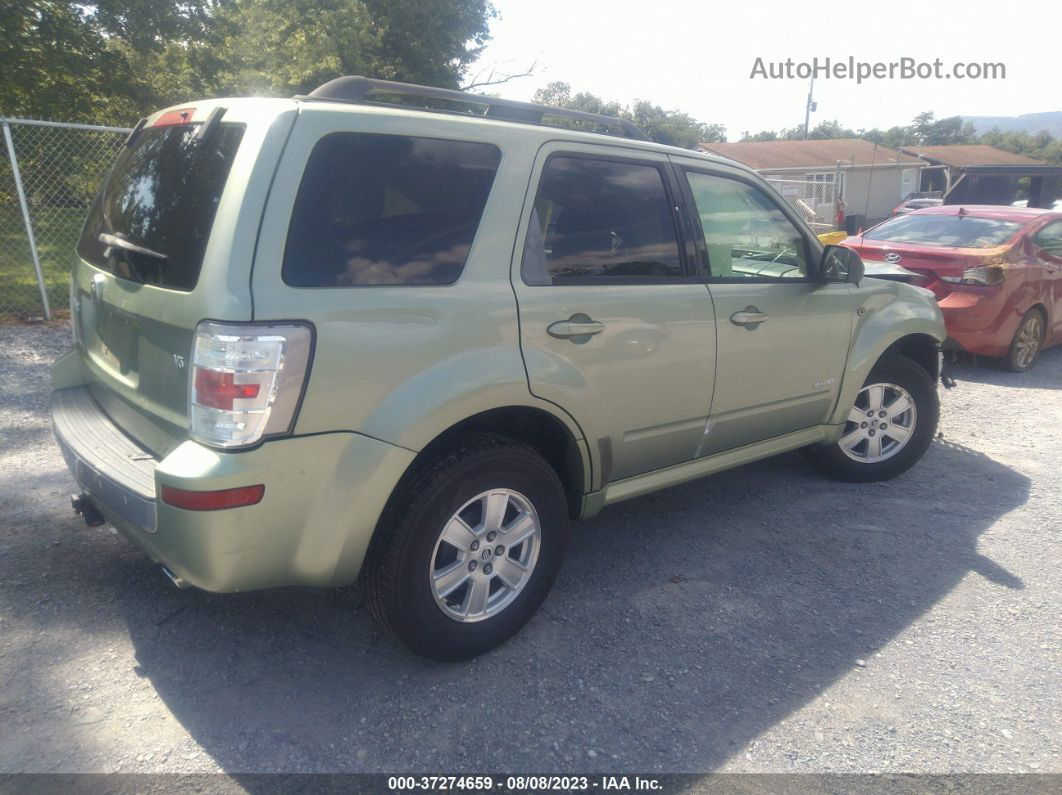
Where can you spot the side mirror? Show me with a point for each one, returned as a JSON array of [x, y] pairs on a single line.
[[841, 264]]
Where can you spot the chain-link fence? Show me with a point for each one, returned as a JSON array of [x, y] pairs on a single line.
[[815, 200], [49, 174]]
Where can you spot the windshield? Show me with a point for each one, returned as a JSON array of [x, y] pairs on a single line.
[[152, 220], [945, 231]]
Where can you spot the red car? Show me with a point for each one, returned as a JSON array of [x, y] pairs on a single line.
[[996, 272]]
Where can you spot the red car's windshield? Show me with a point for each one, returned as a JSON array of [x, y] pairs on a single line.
[[945, 231]]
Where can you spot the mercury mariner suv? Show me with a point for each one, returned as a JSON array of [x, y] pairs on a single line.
[[347, 334]]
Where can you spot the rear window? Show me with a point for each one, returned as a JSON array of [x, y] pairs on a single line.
[[599, 220], [945, 231], [387, 210], [152, 220]]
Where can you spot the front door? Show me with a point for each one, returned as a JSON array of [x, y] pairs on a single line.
[[1048, 245], [614, 325], [783, 337], [907, 182]]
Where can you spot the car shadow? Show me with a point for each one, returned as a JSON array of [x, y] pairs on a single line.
[[1046, 372], [682, 625]]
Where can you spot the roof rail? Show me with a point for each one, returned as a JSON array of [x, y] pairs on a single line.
[[356, 89]]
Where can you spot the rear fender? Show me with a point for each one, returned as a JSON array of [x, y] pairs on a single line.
[[457, 388]]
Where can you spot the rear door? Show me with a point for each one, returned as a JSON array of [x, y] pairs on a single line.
[[167, 243], [783, 336], [616, 326]]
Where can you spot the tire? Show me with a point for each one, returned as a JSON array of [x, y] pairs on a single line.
[[855, 458], [1027, 342], [410, 556]]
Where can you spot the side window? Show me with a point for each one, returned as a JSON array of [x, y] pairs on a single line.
[[600, 220], [387, 209], [1049, 239], [747, 236]]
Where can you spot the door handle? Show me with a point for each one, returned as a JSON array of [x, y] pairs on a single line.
[[750, 317], [578, 328]]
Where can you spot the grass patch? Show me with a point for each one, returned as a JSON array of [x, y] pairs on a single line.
[[56, 231]]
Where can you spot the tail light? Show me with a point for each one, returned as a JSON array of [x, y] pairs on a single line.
[[246, 381], [983, 275]]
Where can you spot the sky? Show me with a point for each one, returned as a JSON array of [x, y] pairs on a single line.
[[698, 56]]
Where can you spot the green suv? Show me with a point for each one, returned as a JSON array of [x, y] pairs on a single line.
[[345, 334]]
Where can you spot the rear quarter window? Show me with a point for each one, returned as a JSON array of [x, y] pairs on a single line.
[[161, 195], [387, 210]]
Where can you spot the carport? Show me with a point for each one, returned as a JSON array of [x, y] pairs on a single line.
[[982, 174]]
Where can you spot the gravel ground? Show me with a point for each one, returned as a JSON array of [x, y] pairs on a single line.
[[761, 620]]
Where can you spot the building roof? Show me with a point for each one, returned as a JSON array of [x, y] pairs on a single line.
[[768, 155], [966, 155]]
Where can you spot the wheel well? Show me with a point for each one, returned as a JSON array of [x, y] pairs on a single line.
[[539, 430], [1042, 310], [919, 348]]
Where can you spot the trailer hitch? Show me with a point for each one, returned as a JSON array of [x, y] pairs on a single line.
[[85, 508]]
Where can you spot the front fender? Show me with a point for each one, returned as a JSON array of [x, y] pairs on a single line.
[[888, 312]]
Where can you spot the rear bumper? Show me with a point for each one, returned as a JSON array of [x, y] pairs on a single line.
[[323, 497], [118, 473], [980, 321]]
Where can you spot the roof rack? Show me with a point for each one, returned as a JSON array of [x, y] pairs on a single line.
[[356, 89]]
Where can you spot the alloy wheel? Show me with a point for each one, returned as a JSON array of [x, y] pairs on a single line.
[[485, 555], [1028, 342], [880, 423]]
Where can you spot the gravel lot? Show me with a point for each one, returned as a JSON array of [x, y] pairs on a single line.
[[762, 620]]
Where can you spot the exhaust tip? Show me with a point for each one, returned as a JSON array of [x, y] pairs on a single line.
[[174, 578]]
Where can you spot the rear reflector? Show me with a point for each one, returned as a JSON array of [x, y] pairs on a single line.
[[212, 500]]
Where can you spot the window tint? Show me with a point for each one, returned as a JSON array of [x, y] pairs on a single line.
[[600, 219], [161, 196], [945, 231], [387, 209], [747, 235]]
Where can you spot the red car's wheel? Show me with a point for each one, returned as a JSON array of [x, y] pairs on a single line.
[[1028, 340]]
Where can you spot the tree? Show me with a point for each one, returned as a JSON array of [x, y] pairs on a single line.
[[115, 60], [825, 130], [930, 131], [763, 135], [285, 47], [671, 127], [58, 65]]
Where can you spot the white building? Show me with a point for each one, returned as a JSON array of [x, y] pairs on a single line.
[[868, 178]]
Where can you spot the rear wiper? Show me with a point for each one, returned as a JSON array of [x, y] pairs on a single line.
[[113, 241]]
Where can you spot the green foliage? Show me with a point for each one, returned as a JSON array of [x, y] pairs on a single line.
[[57, 64], [284, 47], [927, 130], [1042, 146], [115, 60], [826, 130], [671, 127]]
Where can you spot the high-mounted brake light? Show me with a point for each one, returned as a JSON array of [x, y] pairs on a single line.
[[246, 381], [174, 117]]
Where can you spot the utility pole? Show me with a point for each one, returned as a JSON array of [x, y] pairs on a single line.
[[811, 106]]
